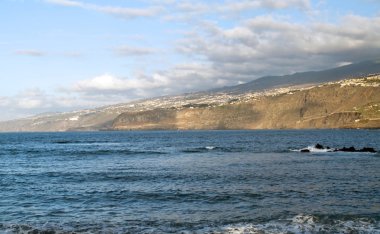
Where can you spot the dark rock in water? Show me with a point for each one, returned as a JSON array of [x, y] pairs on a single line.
[[350, 149], [319, 146], [344, 149], [367, 149]]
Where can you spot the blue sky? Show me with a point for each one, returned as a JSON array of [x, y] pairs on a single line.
[[62, 55]]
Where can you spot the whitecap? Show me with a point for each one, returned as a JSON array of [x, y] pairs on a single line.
[[302, 224], [313, 149]]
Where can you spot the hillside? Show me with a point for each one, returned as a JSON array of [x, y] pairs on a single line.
[[243, 103], [351, 103], [103, 117]]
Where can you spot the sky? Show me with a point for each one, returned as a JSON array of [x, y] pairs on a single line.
[[64, 55]]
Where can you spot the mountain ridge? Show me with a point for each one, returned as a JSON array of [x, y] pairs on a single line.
[[310, 77]]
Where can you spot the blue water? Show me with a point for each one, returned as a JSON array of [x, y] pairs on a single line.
[[189, 182]]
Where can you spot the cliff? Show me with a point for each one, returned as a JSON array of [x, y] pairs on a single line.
[[351, 103]]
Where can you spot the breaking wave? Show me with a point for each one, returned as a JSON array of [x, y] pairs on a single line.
[[302, 223], [206, 149], [313, 149], [320, 149]]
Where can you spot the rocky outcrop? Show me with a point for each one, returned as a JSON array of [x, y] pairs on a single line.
[[321, 148]]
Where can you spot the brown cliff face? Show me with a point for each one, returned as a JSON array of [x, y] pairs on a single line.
[[329, 106], [151, 119]]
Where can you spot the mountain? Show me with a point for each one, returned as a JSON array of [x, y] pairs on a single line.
[[312, 77], [234, 104]]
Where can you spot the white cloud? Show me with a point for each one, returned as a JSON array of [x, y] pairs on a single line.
[[127, 12], [101, 83], [279, 4], [237, 6], [31, 99], [267, 45], [123, 12], [108, 84], [27, 103], [66, 3], [34, 53], [35, 101], [190, 9], [133, 51], [179, 79], [4, 101]]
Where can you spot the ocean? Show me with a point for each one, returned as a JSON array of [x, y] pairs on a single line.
[[189, 182]]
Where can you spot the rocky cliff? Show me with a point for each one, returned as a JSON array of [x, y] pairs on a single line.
[[351, 103]]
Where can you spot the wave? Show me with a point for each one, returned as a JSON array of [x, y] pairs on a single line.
[[84, 143], [101, 152], [301, 223], [51, 152], [320, 149], [313, 149], [206, 149], [65, 142], [74, 142], [48, 228]]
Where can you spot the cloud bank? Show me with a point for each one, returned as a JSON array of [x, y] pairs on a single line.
[[267, 45]]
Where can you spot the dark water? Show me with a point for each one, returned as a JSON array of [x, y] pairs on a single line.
[[190, 182]]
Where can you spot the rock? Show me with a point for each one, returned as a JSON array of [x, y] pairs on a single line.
[[367, 149], [344, 149], [352, 149], [319, 146]]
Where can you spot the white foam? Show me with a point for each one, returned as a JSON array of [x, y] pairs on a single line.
[[210, 147], [314, 150], [303, 224]]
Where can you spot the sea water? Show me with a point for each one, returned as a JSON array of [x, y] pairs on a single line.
[[189, 182]]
